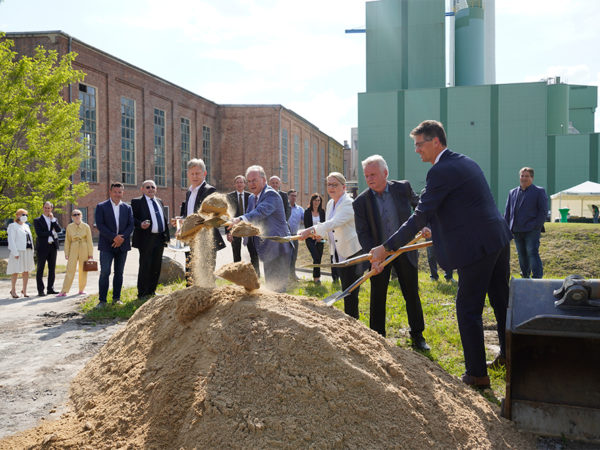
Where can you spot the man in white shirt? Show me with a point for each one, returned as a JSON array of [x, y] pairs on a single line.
[[114, 220], [150, 235], [46, 230], [296, 218]]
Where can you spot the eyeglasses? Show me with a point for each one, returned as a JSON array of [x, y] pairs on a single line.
[[422, 143], [332, 185], [76, 214], [150, 187]]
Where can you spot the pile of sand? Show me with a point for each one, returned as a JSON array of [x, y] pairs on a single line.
[[223, 368]]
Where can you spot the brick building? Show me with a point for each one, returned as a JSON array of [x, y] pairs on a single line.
[[137, 126]]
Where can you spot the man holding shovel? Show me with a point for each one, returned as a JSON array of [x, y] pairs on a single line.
[[469, 234], [265, 210]]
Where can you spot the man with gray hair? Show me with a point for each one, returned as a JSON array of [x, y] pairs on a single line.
[[378, 212], [198, 191], [265, 210], [150, 236]]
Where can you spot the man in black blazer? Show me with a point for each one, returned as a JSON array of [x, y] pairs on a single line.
[[469, 234], [378, 212], [238, 204], [275, 183], [150, 235], [198, 191], [46, 230]]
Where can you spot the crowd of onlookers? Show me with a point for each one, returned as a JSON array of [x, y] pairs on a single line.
[[455, 209]]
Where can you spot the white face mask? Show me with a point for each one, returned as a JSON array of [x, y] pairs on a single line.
[[23, 218]]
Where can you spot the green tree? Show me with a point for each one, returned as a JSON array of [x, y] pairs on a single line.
[[39, 130]]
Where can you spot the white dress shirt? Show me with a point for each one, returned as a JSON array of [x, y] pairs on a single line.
[[116, 208], [155, 220], [192, 199]]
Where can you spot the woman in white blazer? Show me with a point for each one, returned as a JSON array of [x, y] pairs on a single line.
[[20, 244], [340, 230]]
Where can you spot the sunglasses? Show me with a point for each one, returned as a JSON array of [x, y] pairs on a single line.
[[150, 187], [76, 214]]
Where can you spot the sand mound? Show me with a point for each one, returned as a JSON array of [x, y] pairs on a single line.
[[215, 204], [244, 229], [241, 273], [221, 368]]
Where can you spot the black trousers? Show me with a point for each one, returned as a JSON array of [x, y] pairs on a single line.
[[43, 258], [349, 275], [408, 277], [150, 264], [490, 275], [316, 251], [236, 247]]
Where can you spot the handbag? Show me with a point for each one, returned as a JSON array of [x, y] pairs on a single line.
[[90, 265]]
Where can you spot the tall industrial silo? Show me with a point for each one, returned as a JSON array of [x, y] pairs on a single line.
[[474, 42]]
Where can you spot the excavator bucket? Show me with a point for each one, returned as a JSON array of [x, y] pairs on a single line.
[[553, 360]]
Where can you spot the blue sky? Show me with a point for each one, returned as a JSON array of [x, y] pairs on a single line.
[[296, 53]]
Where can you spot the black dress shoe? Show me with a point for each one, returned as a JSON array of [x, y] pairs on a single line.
[[52, 291], [476, 382], [419, 343], [41, 294]]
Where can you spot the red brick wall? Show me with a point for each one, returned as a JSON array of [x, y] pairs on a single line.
[[241, 135]]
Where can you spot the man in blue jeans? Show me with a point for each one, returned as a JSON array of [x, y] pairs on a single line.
[[526, 209], [114, 220]]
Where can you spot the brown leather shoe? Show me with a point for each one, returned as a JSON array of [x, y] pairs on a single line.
[[476, 382], [497, 363]]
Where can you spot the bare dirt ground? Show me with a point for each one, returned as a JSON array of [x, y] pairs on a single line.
[[44, 343]]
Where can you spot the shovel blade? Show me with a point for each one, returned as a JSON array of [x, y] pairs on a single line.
[[334, 297]]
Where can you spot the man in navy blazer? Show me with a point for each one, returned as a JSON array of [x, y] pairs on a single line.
[[114, 220], [378, 212], [46, 231], [150, 236], [266, 211], [469, 234], [526, 209]]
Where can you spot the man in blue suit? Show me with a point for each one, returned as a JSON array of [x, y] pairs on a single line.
[[266, 211], [526, 209], [114, 220], [469, 234]]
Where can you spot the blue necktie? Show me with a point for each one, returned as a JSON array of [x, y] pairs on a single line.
[[158, 218]]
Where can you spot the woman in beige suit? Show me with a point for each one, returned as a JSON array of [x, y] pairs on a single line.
[[78, 248]]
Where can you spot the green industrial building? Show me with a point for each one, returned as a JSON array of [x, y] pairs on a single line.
[[546, 125]]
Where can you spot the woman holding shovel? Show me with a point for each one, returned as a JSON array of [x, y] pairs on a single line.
[[341, 232]]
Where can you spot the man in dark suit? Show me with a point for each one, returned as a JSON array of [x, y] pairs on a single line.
[[469, 234], [46, 230], [526, 209], [114, 220], [150, 235], [275, 183], [198, 191], [378, 212], [265, 210], [238, 204]]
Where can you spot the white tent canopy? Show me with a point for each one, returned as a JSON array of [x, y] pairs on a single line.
[[579, 199]]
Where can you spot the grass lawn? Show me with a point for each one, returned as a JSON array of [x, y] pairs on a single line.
[[565, 249]]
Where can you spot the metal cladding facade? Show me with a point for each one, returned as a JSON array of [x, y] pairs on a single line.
[[545, 125], [405, 44]]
